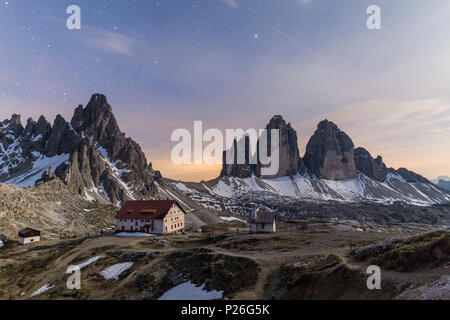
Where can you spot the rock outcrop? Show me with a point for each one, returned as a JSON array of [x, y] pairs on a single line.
[[377, 170], [290, 163], [234, 169], [372, 168], [410, 176], [90, 154], [330, 153]]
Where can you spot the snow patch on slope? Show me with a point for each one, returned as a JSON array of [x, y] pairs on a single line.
[[182, 187], [117, 173], [189, 291], [41, 165], [42, 289], [207, 200]]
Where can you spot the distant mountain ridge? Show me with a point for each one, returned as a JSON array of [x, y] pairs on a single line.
[[332, 169], [445, 178], [90, 154], [94, 158], [330, 154]]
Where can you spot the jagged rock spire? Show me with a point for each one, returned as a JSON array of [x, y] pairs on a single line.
[[90, 154], [245, 170], [290, 161], [372, 168]]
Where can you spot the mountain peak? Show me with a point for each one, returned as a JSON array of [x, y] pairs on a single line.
[[14, 125], [15, 119], [96, 120], [290, 163], [277, 119], [330, 153], [97, 107], [327, 125], [98, 99], [90, 154], [411, 176]]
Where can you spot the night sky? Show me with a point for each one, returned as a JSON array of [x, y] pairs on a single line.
[[236, 63]]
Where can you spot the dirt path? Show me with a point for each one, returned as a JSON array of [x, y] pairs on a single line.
[[25, 269]]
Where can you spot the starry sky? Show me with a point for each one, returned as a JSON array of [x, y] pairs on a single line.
[[236, 63]]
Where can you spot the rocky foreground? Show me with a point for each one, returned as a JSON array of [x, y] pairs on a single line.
[[306, 260], [54, 210]]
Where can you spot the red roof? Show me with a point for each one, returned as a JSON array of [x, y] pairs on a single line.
[[146, 209]]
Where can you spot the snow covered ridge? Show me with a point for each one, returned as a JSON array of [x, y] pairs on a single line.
[[39, 166], [305, 188], [88, 262]]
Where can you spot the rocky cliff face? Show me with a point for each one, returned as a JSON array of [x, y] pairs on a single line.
[[377, 170], [444, 184], [372, 168], [290, 161], [94, 158], [245, 170], [90, 155], [330, 153]]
